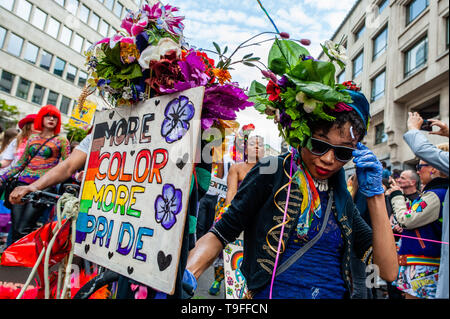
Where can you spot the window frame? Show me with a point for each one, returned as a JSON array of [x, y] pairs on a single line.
[[18, 88], [407, 73], [384, 30], [360, 54], [13, 78], [51, 60], [373, 96], [25, 52], [408, 11], [36, 9], [12, 34], [33, 94]]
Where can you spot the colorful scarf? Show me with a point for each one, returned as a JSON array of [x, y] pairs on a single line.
[[311, 200]]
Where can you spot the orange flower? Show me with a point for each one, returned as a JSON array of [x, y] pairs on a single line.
[[222, 75]]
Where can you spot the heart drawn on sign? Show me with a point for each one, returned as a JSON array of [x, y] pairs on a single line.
[[110, 254], [130, 270], [157, 102], [86, 248], [181, 162], [132, 152], [163, 260], [111, 115]]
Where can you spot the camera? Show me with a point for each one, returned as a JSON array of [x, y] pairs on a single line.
[[426, 126]]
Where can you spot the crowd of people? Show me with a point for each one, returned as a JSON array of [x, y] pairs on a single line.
[[331, 228]]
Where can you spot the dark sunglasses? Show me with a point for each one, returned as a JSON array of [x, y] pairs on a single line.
[[419, 166], [318, 147]]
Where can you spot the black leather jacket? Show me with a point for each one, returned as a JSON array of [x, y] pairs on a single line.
[[254, 211]]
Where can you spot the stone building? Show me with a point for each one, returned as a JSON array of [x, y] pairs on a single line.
[[42, 44], [398, 54]]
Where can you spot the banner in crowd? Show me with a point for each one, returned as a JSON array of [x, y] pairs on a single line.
[[134, 196], [82, 117]]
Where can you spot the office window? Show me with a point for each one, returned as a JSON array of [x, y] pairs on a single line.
[[382, 5], [23, 88], [103, 29], [52, 98], [23, 9], [380, 43], [109, 4], [59, 67], [2, 36], [65, 104], [380, 134], [6, 81], [118, 9], [65, 36], [414, 8], [82, 78], [94, 21], [83, 13], [46, 60], [358, 64], [53, 27], [71, 73], [7, 4], [341, 77], [360, 32], [416, 57], [60, 2], [77, 42], [112, 31], [72, 6], [39, 18], [15, 44], [31, 52], [86, 46], [378, 85], [447, 33], [38, 94]]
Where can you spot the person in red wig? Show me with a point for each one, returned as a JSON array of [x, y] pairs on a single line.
[[42, 152]]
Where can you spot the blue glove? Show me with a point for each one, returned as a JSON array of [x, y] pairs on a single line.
[[189, 283], [368, 170]]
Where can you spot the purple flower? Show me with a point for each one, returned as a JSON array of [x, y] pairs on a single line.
[[222, 102], [167, 205], [178, 113], [283, 81], [285, 120], [142, 41]]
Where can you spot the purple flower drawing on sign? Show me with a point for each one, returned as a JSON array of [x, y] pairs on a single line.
[[178, 113], [167, 206]]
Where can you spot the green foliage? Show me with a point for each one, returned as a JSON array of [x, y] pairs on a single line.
[[75, 133], [8, 114], [284, 56]]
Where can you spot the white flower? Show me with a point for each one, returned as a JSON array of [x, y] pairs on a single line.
[[336, 51], [309, 104], [154, 53]]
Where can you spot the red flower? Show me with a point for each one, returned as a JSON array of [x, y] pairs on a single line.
[[165, 72], [274, 91]]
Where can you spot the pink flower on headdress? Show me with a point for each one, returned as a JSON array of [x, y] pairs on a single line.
[[134, 27], [115, 39]]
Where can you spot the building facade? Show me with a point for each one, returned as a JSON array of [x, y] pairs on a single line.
[[41, 49], [399, 55]]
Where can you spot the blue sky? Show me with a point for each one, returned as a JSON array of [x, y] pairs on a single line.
[[230, 22]]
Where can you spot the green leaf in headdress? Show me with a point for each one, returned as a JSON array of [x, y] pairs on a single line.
[[284, 55]]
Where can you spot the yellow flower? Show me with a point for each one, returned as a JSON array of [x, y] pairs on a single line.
[[128, 52], [222, 75]]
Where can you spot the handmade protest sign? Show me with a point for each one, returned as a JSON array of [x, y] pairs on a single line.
[[235, 284], [134, 196]]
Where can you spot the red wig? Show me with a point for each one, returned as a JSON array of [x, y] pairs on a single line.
[[47, 110]]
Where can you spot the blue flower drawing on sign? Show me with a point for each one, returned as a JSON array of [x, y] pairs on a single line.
[[168, 205], [178, 113]]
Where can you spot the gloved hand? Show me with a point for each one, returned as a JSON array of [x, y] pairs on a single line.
[[368, 170], [189, 283]]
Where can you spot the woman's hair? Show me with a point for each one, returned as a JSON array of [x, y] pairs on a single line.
[[47, 110], [25, 133], [340, 119], [8, 136]]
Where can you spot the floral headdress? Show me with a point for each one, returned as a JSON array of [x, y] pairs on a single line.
[[149, 57], [299, 88]]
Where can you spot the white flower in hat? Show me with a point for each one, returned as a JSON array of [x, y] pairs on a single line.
[[155, 52]]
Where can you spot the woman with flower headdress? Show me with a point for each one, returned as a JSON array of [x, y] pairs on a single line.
[[299, 221], [42, 152]]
